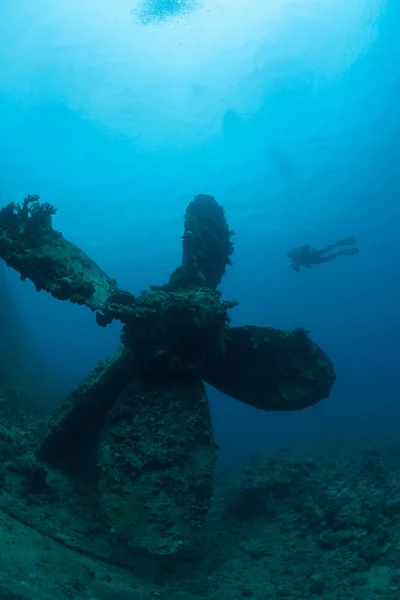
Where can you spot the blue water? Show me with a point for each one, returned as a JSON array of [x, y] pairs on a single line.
[[286, 111]]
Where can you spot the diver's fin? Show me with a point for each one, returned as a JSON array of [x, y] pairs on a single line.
[[346, 241], [272, 369]]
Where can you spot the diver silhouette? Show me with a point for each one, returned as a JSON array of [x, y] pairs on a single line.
[[305, 256]]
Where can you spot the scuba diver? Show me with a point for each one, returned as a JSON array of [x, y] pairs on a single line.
[[307, 257]]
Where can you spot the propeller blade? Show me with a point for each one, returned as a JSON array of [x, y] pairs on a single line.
[[156, 461], [72, 433], [30, 245], [206, 245], [147, 447], [272, 369]]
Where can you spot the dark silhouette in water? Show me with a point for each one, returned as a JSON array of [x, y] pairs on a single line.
[[307, 257], [135, 438]]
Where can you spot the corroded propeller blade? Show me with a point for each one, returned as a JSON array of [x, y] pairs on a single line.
[[272, 369], [156, 461], [146, 445], [71, 438], [30, 245], [206, 245]]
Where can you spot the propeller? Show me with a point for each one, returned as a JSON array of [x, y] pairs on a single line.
[[138, 428]]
